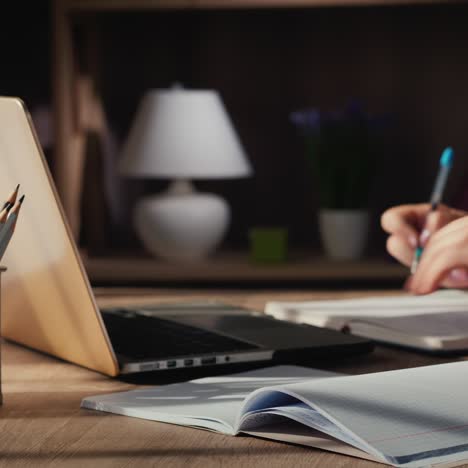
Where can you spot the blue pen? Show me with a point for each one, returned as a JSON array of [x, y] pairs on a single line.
[[446, 163]]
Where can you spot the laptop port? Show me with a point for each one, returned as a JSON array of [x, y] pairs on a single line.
[[146, 367], [171, 364], [208, 360], [188, 362]]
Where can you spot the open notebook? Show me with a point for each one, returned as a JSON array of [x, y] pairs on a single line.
[[412, 417], [437, 322]]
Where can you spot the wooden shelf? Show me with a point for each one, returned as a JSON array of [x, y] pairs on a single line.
[[233, 267], [307, 3], [109, 5]]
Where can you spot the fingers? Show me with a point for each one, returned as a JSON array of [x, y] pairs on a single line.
[[437, 219], [446, 250], [400, 249], [406, 221], [414, 224], [457, 279], [434, 221], [414, 217]]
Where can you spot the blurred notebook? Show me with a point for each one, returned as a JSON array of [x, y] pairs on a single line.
[[437, 322]]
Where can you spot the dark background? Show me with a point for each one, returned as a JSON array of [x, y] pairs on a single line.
[[408, 61]]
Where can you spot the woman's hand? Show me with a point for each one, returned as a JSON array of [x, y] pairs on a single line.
[[444, 260], [409, 226]]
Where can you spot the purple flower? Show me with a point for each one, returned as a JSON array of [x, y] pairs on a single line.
[[307, 119], [311, 120], [354, 110]]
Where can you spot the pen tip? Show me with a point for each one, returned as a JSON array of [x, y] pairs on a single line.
[[447, 157], [17, 188], [21, 199]]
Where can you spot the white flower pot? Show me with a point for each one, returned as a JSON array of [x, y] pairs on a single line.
[[344, 233]]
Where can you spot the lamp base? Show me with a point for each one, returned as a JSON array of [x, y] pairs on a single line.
[[181, 224]]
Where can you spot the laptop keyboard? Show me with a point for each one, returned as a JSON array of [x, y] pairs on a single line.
[[141, 337]]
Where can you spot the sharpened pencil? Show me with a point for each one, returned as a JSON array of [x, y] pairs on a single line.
[[8, 228]]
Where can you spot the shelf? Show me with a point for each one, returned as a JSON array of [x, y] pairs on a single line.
[[109, 5], [307, 3], [233, 267]]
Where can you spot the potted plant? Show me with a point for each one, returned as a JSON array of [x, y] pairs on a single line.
[[341, 147]]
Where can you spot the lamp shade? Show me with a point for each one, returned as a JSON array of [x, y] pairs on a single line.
[[180, 133]]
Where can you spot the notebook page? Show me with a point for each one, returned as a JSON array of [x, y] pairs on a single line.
[[392, 306], [413, 416], [301, 413], [337, 313], [211, 403], [448, 324], [286, 430]]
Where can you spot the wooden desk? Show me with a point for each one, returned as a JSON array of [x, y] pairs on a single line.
[[41, 423]]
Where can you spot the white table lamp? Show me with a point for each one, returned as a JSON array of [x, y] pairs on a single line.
[[182, 135]]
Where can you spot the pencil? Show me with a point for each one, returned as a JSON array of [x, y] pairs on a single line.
[[445, 165], [5, 210], [8, 205], [7, 230]]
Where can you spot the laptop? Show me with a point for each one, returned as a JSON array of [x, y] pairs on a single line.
[[48, 304]]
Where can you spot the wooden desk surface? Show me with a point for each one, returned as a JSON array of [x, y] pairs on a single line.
[[41, 423]]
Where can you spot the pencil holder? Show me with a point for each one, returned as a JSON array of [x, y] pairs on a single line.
[[2, 270]]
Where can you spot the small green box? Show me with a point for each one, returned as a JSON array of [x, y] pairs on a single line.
[[268, 244]]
